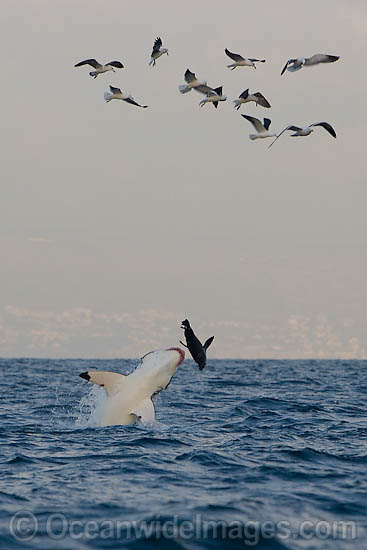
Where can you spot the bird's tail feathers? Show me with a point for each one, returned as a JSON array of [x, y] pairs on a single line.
[[184, 88], [108, 96]]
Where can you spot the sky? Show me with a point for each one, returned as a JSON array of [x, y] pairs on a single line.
[[119, 222]]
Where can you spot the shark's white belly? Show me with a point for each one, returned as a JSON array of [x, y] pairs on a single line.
[[129, 397], [118, 409]]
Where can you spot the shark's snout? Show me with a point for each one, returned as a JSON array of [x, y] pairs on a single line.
[[181, 354]]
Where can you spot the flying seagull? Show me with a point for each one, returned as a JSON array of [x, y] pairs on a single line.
[[157, 51], [262, 130], [240, 61], [246, 97], [116, 93], [193, 83], [306, 131], [99, 69], [193, 344], [213, 96], [296, 64]]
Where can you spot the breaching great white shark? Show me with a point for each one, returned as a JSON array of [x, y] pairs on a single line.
[[129, 396]]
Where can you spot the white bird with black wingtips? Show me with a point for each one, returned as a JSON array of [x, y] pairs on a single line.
[[240, 61], [116, 93], [246, 97], [306, 130], [157, 51], [298, 63], [99, 68], [262, 129], [214, 96], [192, 83]]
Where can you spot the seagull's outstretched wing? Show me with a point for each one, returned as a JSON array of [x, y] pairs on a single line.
[[157, 45], [259, 127], [327, 127], [244, 94], [91, 62], [289, 62], [290, 127], [258, 60], [234, 56], [133, 102], [116, 64], [261, 100], [189, 77], [321, 58], [203, 89], [115, 90], [267, 123]]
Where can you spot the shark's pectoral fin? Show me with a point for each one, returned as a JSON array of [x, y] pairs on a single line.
[[208, 342], [110, 381], [144, 412]]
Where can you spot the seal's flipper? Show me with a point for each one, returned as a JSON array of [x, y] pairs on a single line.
[[111, 381], [208, 342], [181, 342], [144, 412]]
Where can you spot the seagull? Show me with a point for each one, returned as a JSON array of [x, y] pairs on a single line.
[[246, 97], [240, 61], [116, 93], [193, 83], [296, 64], [306, 131], [99, 69], [214, 95], [157, 51], [261, 129]]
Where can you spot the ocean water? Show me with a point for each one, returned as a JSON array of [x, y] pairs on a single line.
[[246, 454]]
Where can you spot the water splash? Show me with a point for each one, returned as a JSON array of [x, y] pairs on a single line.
[[91, 408]]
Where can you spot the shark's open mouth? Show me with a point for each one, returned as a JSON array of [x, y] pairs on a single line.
[[181, 354]]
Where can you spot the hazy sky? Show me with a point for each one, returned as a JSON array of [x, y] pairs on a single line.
[[118, 222]]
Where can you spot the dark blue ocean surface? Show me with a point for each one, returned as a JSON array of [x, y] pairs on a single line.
[[246, 454]]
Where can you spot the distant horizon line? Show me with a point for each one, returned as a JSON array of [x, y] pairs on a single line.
[[187, 359]]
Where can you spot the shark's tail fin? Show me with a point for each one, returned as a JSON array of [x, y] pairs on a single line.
[[110, 381]]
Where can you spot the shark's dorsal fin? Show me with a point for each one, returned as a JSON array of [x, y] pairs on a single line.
[[144, 412], [110, 381]]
